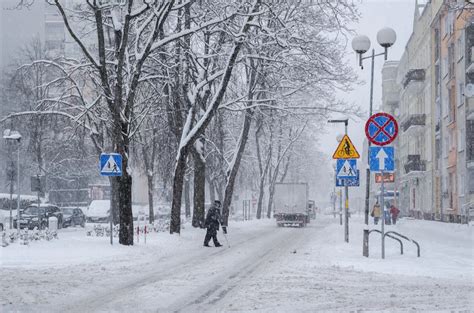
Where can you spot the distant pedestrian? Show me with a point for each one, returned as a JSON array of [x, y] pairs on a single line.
[[212, 222], [376, 212], [394, 211]]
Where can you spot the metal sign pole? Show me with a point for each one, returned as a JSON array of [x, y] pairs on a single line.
[[383, 216], [340, 207], [346, 218], [111, 227]]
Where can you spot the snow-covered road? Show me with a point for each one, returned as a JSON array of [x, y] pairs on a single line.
[[266, 269]]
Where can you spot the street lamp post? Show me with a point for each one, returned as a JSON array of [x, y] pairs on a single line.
[[386, 37], [15, 136], [346, 189]]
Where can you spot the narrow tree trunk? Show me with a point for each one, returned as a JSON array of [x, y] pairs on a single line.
[[270, 200], [179, 171], [229, 188], [187, 198], [151, 211], [125, 204], [199, 197]]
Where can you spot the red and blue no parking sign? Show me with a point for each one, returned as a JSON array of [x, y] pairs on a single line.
[[381, 129]]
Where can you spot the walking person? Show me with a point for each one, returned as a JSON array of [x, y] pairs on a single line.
[[394, 211], [212, 222], [376, 212]]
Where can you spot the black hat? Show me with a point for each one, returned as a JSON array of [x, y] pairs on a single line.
[[217, 202]]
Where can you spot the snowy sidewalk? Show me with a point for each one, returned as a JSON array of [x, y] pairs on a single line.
[[267, 269]]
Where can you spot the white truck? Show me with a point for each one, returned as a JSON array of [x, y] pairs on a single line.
[[291, 204]]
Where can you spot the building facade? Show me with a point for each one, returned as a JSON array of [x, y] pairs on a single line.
[[435, 110]]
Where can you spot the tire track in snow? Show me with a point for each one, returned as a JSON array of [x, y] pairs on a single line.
[[223, 285], [103, 300]]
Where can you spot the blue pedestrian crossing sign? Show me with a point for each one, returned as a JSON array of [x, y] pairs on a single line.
[[346, 168], [349, 182], [381, 159], [111, 164]]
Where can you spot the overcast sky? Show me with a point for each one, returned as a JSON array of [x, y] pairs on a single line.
[[375, 14]]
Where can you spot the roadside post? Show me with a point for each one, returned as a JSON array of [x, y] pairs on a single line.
[[381, 129], [110, 165], [346, 170]]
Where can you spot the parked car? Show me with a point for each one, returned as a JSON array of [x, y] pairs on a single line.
[[34, 216], [73, 216], [98, 211]]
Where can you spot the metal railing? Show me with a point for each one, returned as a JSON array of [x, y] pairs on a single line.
[[406, 238], [389, 234]]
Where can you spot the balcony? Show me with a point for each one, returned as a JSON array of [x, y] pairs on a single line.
[[414, 164], [413, 75], [414, 121]]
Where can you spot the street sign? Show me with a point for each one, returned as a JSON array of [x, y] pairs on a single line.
[[346, 150], [346, 168], [381, 159], [381, 129], [349, 182], [110, 164], [387, 177]]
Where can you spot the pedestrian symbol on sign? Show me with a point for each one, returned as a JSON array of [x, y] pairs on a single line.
[[111, 164], [346, 168]]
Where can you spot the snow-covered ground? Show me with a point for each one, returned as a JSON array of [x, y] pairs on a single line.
[[266, 269]]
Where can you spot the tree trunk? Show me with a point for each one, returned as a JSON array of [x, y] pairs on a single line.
[[271, 192], [125, 204], [187, 199], [179, 171], [151, 211], [212, 191], [199, 197], [229, 188]]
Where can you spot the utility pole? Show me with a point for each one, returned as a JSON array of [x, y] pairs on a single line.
[[346, 211], [346, 191]]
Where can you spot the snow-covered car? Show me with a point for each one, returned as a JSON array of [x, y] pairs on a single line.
[[34, 216], [73, 216], [98, 211]]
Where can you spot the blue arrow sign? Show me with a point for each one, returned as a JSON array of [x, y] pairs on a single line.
[[350, 182], [382, 159], [346, 168], [110, 164]]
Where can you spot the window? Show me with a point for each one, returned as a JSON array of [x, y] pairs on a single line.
[[471, 181], [462, 184], [470, 140], [450, 64], [451, 106], [460, 47], [452, 141], [460, 94]]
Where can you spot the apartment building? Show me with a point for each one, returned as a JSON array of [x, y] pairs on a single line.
[[435, 110], [414, 146]]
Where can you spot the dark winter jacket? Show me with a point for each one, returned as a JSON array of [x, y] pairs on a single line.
[[213, 218]]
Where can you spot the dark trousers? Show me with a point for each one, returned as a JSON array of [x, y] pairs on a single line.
[[376, 220], [394, 220], [211, 233]]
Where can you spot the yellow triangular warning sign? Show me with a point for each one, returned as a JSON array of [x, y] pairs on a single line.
[[346, 150]]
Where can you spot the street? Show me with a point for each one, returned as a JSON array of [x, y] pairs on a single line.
[[266, 269]]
